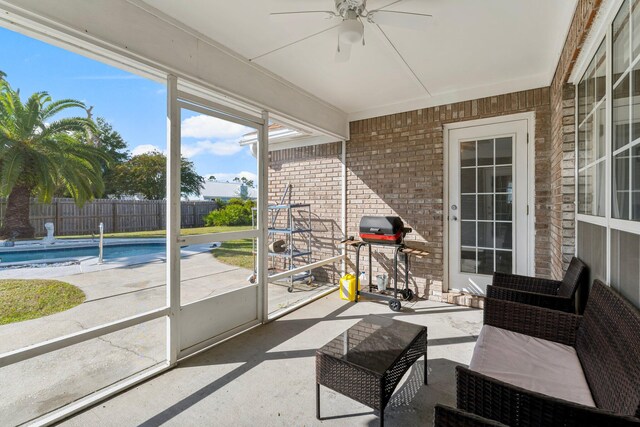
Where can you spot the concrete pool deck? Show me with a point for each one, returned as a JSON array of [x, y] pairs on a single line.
[[46, 382]]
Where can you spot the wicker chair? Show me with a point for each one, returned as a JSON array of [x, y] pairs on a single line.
[[552, 294], [607, 343], [446, 416]]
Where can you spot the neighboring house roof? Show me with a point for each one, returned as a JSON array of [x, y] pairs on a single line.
[[224, 190]]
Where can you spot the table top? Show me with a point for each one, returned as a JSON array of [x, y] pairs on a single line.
[[375, 343]]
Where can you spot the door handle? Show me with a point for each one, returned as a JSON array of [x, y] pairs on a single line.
[[454, 218]]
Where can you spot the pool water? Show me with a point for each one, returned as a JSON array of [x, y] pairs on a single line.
[[110, 252]]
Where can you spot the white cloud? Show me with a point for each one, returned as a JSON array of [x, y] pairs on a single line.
[[228, 177], [218, 148], [145, 148], [210, 127]]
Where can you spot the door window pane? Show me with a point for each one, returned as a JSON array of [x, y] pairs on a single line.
[[468, 207], [468, 233], [485, 152], [468, 260], [503, 235], [485, 207], [504, 179], [468, 180], [504, 263], [504, 151], [485, 180], [485, 234], [485, 261], [503, 207], [468, 153]]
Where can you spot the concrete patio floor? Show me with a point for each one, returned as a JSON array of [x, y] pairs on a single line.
[[266, 376]]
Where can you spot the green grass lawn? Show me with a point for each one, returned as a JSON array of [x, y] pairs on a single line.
[[162, 233], [29, 299], [238, 253]]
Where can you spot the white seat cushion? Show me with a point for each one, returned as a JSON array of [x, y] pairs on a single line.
[[531, 363]]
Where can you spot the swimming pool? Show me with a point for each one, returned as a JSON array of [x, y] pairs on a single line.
[[111, 251]]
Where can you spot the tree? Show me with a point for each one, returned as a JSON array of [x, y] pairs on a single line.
[[244, 181], [146, 174], [245, 184], [38, 153], [113, 146]]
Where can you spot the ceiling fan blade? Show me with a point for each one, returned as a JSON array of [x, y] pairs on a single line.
[[328, 13], [392, 18], [343, 53], [279, 48]]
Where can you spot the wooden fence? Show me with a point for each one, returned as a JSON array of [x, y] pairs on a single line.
[[116, 215]]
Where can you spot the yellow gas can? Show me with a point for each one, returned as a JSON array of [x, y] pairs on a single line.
[[348, 287]]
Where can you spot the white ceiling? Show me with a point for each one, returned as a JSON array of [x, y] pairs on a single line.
[[470, 49]]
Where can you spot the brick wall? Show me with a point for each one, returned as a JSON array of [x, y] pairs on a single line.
[[315, 174], [562, 225], [395, 166]]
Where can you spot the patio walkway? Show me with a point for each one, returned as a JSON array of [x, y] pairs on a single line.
[[266, 376]]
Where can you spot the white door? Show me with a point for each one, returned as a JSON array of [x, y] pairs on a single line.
[[220, 295], [487, 197]]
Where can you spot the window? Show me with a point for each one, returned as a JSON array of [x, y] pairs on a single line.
[[591, 136], [625, 191], [608, 156]]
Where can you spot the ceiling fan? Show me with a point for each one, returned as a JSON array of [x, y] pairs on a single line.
[[354, 15]]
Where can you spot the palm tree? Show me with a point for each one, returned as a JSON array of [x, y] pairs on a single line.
[[39, 154]]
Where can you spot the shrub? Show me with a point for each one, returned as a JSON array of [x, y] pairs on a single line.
[[236, 212]]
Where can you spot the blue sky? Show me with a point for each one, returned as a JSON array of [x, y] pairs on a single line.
[[135, 106]]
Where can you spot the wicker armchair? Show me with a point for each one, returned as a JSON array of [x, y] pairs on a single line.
[[552, 294], [446, 416], [607, 342]]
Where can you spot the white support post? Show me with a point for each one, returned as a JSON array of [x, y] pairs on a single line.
[[173, 220], [344, 205], [263, 201]]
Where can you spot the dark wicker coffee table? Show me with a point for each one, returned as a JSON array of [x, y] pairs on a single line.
[[367, 361]]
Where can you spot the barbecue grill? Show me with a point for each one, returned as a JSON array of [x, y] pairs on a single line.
[[386, 231]]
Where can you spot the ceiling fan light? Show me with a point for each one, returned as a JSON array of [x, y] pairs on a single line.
[[351, 31]]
